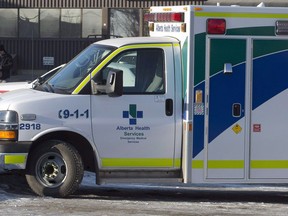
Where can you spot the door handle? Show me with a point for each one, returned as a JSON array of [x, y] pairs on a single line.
[[236, 110], [169, 107]]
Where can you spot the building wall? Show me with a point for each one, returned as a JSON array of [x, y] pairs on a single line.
[[31, 50], [92, 3]]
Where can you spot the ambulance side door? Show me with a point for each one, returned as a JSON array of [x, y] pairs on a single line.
[[225, 117], [137, 129]]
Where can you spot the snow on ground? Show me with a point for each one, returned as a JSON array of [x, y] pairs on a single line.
[[13, 190], [139, 199]]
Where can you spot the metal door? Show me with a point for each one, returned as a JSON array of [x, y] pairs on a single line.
[[269, 146], [225, 104]]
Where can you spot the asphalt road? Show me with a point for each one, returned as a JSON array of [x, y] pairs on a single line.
[[17, 199]]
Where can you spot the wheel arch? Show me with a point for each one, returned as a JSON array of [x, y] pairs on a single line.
[[79, 142]]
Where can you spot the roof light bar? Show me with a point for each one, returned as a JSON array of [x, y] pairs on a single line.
[[164, 17], [281, 27]]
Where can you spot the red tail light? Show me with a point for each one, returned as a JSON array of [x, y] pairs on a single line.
[[216, 26]]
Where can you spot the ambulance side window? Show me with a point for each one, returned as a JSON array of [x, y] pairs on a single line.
[[143, 71], [150, 71]]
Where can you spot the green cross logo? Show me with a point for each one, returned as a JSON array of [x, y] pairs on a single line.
[[132, 114]]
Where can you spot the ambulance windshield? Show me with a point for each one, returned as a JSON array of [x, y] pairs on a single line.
[[77, 69]]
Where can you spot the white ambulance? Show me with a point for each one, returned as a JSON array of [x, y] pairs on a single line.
[[203, 100]]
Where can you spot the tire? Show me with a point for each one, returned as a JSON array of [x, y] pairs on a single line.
[[54, 169]]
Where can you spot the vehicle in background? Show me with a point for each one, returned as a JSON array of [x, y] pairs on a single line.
[[9, 86]]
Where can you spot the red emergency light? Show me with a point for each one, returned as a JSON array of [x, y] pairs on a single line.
[[164, 17], [216, 26]]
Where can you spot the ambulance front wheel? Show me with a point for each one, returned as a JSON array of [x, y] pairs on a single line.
[[54, 169]]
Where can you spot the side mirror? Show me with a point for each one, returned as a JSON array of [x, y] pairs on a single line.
[[113, 86], [39, 81]]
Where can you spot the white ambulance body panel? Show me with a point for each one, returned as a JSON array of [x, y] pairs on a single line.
[[51, 110], [238, 125]]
